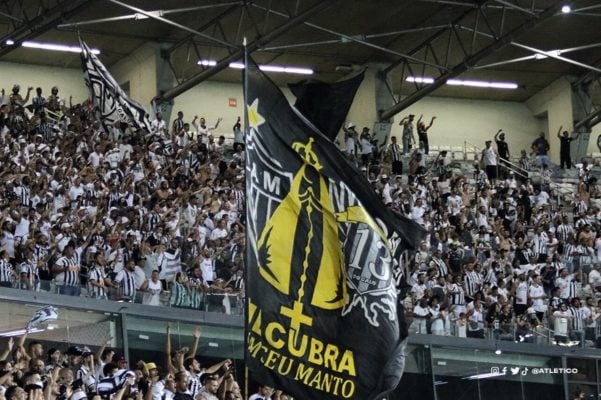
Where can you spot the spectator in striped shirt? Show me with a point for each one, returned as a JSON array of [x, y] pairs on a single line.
[[66, 270], [38, 102], [178, 124], [125, 282], [7, 272], [97, 284], [169, 262], [577, 321]]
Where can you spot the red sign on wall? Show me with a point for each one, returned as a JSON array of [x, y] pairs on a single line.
[[232, 102]]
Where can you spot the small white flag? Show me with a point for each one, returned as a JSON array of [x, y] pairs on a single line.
[[43, 314]]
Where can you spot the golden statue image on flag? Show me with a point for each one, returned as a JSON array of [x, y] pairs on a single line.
[[309, 200]]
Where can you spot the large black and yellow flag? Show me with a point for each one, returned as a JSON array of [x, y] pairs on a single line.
[[326, 104], [323, 318]]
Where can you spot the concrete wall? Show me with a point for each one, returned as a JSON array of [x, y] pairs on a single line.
[[474, 121], [210, 100], [69, 80], [458, 120], [555, 104]]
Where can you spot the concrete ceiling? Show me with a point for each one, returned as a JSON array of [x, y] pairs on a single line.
[[348, 34]]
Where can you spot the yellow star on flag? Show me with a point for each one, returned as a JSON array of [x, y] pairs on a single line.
[[254, 118]]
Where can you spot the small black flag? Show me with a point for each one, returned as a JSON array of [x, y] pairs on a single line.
[[326, 104]]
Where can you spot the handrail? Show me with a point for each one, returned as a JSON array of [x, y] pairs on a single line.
[[513, 168], [466, 142]]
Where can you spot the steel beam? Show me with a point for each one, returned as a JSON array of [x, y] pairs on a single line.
[[471, 60], [172, 23], [435, 36], [556, 54], [237, 55], [138, 16], [589, 121], [42, 23], [212, 21], [344, 38], [539, 54]]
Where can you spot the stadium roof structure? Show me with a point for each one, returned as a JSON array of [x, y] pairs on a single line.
[[527, 42]]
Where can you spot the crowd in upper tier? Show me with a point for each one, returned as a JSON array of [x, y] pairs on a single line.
[[151, 217], [157, 218], [504, 257]]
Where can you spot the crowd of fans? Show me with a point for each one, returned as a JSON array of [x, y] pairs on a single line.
[[503, 258], [151, 217], [29, 371], [157, 218]]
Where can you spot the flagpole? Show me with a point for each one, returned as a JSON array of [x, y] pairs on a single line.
[[246, 135]]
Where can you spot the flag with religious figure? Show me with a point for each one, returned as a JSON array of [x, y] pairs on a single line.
[[324, 320]]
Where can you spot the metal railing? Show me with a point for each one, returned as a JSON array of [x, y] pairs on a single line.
[[512, 332]]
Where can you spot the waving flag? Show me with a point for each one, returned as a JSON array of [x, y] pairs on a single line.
[[326, 104], [324, 321], [42, 315], [111, 103]]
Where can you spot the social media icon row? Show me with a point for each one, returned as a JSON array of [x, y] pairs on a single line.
[[512, 370]]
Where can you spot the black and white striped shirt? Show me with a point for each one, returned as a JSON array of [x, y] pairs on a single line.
[[564, 232], [568, 249], [577, 321], [97, 275], [153, 221], [395, 152], [440, 266], [30, 269], [178, 125], [70, 277], [24, 195], [38, 103], [573, 288], [113, 199], [239, 194], [457, 298], [488, 276], [6, 271], [539, 243], [40, 251], [46, 130], [169, 264], [472, 283], [127, 284], [193, 384]]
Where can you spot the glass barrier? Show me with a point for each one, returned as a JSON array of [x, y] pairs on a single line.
[[514, 331], [70, 328], [215, 299], [482, 374]]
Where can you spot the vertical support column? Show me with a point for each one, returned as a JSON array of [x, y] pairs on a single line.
[[384, 100], [124, 341], [431, 360], [566, 391], [166, 80], [581, 108]]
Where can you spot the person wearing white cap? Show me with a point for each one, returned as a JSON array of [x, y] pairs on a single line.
[[350, 135], [366, 147]]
